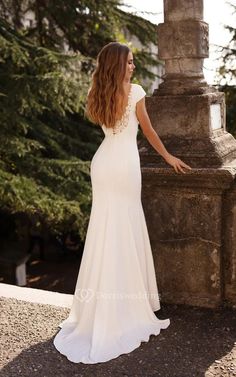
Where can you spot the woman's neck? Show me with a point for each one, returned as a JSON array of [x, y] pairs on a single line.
[[126, 84]]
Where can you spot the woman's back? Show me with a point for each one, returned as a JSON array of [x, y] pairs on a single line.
[[129, 119]]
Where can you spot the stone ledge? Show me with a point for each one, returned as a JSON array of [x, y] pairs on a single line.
[[34, 295]]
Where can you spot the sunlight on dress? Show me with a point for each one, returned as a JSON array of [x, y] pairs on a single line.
[[116, 291]]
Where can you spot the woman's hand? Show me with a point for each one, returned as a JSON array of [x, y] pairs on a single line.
[[176, 163]]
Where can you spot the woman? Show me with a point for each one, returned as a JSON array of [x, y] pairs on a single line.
[[116, 291]]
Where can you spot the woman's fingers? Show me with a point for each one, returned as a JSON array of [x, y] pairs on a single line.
[[186, 166], [180, 169], [178, 164], [181, 164]]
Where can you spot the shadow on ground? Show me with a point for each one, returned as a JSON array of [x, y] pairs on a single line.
[[57, 272], [198, 342]]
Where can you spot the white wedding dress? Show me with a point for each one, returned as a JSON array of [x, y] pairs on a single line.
[[116, 291]]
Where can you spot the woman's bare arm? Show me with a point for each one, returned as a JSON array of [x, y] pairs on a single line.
[[154, 139]]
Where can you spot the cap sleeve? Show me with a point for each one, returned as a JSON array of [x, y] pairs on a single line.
[[140, 93]]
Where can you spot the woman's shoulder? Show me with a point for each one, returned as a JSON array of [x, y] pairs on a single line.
[[138, 92], [134, 85]]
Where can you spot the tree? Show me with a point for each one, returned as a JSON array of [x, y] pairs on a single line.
[[43, 165], [230, 98], [46, 142], [227, 69], [226, 76], [84, 26]]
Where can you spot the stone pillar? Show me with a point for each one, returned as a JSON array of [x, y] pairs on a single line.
[[189, 216], [188, 114], [183, 45]]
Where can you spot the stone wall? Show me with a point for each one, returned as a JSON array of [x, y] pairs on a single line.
[[191, 217]]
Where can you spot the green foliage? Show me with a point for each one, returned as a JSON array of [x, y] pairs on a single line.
[[84, 26], [41, 165], [226, 76], [226, 73], [46, 142], [230, 97]]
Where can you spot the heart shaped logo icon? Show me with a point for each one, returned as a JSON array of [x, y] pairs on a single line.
[[84, 295]]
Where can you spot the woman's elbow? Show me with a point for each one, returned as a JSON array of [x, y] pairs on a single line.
[[145, 131], [146, 128]]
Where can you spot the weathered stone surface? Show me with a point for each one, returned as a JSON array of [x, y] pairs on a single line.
[[187, 67], [186, 116], [179, 39], [184, 219], [186, 125], [192, 153], [183, 43], [175, 10], [191, 217], [229, 242]]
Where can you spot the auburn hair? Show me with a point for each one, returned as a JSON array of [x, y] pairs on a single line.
[[105, 99]]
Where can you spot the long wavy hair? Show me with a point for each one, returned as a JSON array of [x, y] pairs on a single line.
[[105, 100]]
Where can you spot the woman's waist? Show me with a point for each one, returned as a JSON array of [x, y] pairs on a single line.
[[111, 147]]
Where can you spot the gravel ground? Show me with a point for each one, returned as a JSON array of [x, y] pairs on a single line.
[[198, 342]]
